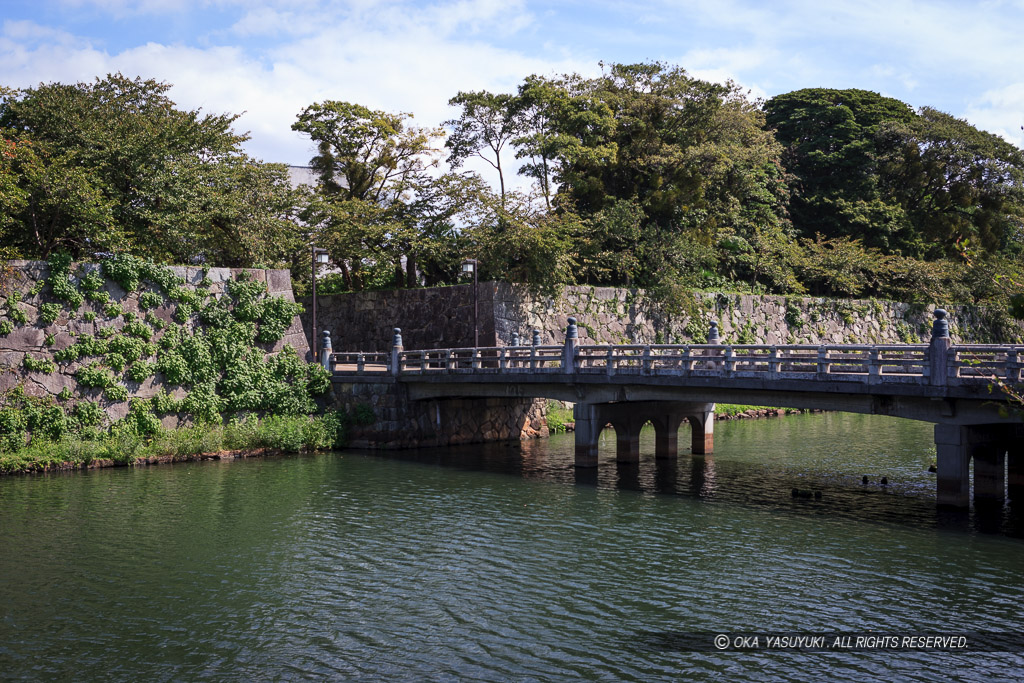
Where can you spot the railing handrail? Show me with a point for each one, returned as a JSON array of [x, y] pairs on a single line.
[[871, 363]]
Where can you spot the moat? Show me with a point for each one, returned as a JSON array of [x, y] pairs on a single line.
[[503, 562]]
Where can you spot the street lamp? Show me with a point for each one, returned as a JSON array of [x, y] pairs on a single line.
[[470, 265], [318, 257]]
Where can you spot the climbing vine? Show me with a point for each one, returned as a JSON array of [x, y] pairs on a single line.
[[213, 352]]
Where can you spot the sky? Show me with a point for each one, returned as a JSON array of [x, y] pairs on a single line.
[[272, 58]]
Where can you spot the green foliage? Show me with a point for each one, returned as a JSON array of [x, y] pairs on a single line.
[[137, 328], [794, 316], [91, 282], [113, 309], [88, 414], [277, 316], [49, 313], [113, 165], [156, 322], [150, 300], [558, 417], [94, 376], [106, 332], [14, 310], [49, 339], [100, 297], [84, 347], [43, 365], [60, 280], [140, 370], [116, 393], [6, 327], [65, 394]]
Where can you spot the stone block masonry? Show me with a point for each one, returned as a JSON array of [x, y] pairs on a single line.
[[443, 317], [39, 340], [402, 423]]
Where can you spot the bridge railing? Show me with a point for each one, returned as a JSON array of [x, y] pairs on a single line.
[[495, 359], [968, 362], [912, 364], [870, 363], [359, 362]]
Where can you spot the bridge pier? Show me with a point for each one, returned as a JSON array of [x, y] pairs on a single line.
[[628, 419], [998, 463], [702, 431]]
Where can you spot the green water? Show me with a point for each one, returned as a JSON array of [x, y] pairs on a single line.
[[505, 563]]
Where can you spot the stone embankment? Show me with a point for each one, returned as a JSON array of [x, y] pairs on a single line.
[[443, 318]]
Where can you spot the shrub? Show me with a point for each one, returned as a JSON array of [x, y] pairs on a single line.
[[150, 300], [50, 312], [44, 365]]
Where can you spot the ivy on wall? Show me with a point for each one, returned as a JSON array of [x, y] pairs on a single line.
[[209, 355]]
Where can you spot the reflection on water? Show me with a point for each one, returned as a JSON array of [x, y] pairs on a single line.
[[505, 563], [759, 463]]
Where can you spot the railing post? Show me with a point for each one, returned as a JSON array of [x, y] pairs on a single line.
[[938, 350], [536, 338], [610, 361], [730, 361], [515, 339], [645, 367], [360, 363], [533, 357], [476, 358], [1012, 368], [572, 342], [773, 361], [874, 366], [326, 351], [503, 358], [448, 360], [824, 367], [714, 338], [396, 352]]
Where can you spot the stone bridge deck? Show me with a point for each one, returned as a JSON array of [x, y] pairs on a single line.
[[958, 388]]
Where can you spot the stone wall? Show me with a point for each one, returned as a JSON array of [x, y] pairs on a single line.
[[401, 423], [436, 317], [40, 340], [443, 318]]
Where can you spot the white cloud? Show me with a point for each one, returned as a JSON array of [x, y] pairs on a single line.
[[1001, 112]]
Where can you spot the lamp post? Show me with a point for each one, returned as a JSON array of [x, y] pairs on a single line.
[[318, 257], [471, 265]]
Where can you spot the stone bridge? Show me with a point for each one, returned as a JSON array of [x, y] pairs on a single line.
[[959, 388]]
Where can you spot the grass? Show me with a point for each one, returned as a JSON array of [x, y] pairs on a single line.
[[558, 417], [280, 433], [733, 409]]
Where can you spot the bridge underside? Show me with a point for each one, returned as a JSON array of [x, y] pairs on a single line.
[[968, 427]]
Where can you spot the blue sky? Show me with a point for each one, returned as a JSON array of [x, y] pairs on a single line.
[[271, 58]]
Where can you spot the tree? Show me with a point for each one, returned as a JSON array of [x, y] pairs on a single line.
[[488, 121], [693, 157], [830, 148], [958, 186], [167, 177], [377, 201]]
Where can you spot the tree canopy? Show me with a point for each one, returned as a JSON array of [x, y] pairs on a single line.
[[115, 165], [642, 175]]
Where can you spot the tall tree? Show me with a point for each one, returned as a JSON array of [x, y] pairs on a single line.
[[830, 147], [487, 123], [692, 156], [166, 175], [959, 187], [374, 187]]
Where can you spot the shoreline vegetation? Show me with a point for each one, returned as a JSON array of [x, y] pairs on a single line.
[[237, 438], [272, 435]]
